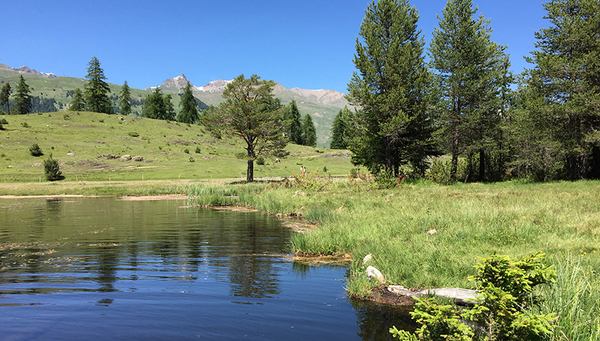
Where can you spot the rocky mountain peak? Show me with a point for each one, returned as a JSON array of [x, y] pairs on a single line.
[[25, 69], [176, 82], [214, 86]]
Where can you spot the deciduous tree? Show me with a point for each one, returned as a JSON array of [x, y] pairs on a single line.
[[96, 89], [473, 81], [390, 89], [250, 112], [22, 97]]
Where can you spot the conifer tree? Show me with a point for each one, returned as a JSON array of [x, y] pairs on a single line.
[[169, 114], [250, 112], [125, 100], [309, 132], [96, 89], [78, 102], [391, 88], [473, 81], [294, 124], [340, 130], [189, 111], [154, 105], [564, 85], [5, 96], [22, 97]]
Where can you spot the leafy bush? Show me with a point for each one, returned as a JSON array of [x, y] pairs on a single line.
[[260, 160], [35, 150], [3, 121], [25, 125], [66, 117], [505, 287], [133, 134], [52, 169], [197, 150], [187, 151]]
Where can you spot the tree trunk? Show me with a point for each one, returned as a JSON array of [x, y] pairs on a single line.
[[250, 171], [454, 156], [481, 165]]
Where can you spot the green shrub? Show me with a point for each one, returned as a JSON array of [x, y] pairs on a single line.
[[260, 160], [35, 150], [66, 117], [52, 169], [197, 150], [3, 121], [505, 286], [25, 125], [187, 151], [133, 134]]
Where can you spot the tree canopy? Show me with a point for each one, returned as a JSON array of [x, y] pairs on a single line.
[[251, 113], [23, 97], [78, 102], [158, 106], [5, 96], [189, 111], [391, 90], [96, 89], [340, 130], [294, 124], [125, 100], [309, 132]]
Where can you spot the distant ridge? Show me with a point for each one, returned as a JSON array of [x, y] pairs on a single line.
[[25, 69]]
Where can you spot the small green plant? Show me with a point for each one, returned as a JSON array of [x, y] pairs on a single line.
[[66, 117], [101, 121], [197, 150], [260, 160], [3, 121], [187, 151], [25, 125], [133, 134], [353, 173], [191, 159], [52, 169], [35, 150], [501, 313]]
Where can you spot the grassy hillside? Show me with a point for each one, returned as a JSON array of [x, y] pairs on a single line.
[[161, 144]]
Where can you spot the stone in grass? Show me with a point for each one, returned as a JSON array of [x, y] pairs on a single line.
[[138, 158], [126, 157], [372, 272], [459, 295]]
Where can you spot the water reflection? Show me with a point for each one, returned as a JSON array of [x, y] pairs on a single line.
[[174, 269]]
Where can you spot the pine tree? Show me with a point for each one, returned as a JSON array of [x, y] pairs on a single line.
[[294, 124], [473, 81], [169, 113], [309, 132], [565, 83], [154, 105], [125, 100], [391, 88], [22, 97], [5, 96], [340, 130], [78, 102], [96, 89], [251, 113], [189, 111]]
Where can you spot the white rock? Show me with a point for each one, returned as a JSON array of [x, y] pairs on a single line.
[[432, 231], [70, 154], [372, 272]]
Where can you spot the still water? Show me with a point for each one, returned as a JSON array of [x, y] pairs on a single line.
[[109, 269]]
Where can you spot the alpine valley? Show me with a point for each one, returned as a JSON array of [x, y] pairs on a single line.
[[52, 93]]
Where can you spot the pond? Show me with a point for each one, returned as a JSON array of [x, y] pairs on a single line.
[[106, 269]]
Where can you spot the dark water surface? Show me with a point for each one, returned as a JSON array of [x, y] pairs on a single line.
[[108, 269]]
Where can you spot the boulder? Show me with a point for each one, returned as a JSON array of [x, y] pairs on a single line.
[[459, 295], [139, 158], [126, 157], [372, 272]]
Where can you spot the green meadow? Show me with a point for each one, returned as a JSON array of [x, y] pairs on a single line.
[[83, 141]]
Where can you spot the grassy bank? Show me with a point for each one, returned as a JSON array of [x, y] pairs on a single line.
[[428, 235]]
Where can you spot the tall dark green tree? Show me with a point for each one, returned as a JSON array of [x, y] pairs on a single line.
[[5, 96], [473, 82], [189, 111], [309, 132], [154, 105], [294, 124], [340, 130], [391, 89], [250, 112], [169, 114], [78, 101], [96, 89], [22, 97], [564, 84], [125, 100]]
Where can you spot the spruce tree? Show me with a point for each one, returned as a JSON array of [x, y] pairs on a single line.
[[125, 100], [340, 130], [391, 88], [169, 113], [294, 124], [564, 84], [473, 81], [309, 132], [189, 111], [96, 89], [5, 96], [78, 102], [22, 97], [154, 105]]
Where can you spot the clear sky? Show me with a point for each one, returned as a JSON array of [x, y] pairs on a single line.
[[307, 44]]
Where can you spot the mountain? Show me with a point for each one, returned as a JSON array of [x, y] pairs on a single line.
[[25, 69]]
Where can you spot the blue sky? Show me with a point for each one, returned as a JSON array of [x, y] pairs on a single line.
[[307, 44]]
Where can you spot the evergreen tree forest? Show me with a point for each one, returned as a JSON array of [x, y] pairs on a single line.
[[464, 102]]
